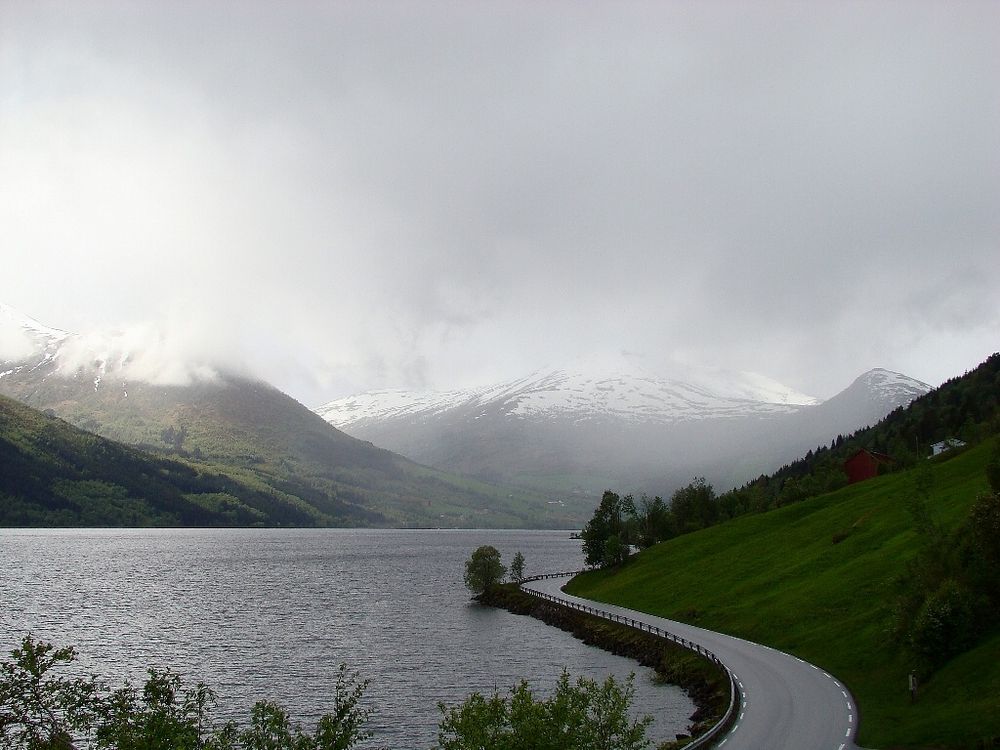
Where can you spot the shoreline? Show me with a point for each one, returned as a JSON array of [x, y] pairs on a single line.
[[705, 684]]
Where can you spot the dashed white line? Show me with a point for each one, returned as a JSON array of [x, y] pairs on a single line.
[[850, 718], [849, 706]]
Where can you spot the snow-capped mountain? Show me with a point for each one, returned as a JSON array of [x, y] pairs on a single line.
[[599, 424], [623, 391], [886, 386]]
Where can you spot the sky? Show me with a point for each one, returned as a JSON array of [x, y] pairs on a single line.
[[340, 196]]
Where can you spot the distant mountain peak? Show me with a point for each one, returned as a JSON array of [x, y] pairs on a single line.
[[887, 383]]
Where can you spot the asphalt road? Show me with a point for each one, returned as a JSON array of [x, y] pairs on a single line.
[[787, 704]]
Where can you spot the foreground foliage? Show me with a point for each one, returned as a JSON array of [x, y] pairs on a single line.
[[583, 715], [43, 710], [40, 710]]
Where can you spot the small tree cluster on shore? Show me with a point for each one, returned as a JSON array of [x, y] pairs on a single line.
[[486, 569]]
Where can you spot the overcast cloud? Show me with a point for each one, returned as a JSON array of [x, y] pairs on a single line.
[[348, 195]]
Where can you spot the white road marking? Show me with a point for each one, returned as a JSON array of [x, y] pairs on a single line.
[[850, 718], [849, 706]]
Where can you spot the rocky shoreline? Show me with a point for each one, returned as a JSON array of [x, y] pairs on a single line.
[[706, 683]]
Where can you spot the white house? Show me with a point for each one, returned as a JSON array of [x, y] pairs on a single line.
[[946, 445]]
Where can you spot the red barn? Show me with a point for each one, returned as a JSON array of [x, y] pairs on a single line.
[[864, 465]]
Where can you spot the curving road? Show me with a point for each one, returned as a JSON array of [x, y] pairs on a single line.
[[787, 704]]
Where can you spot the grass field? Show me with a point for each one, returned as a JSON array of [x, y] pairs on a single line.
[[780, 578]]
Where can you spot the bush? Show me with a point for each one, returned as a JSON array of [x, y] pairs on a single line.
[[40, 711], [945, 624], [581, 716]]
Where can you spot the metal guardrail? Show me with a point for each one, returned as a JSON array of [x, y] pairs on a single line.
[[704, 740]]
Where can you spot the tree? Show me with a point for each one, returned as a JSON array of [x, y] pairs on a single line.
[[517, 568], [162, 717], [484, 569], [654, 521], [40, 711], [584, 715], [694, 506], [614, 517], [615, 552]]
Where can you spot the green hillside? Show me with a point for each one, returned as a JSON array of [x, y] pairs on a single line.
[[263, 438], [820, 578], [54, 474]]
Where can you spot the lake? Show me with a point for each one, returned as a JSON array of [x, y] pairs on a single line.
[[271, 613]]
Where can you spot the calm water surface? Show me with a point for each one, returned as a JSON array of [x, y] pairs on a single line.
[[266, 613]]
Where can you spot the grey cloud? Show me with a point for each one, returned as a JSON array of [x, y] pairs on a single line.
[[366, 194]]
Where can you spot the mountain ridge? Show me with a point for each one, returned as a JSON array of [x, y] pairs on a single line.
[[618, 426], [628, 392]]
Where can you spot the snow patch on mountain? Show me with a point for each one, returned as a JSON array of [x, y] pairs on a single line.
[[23, 337], [892, 386], [621, 390]]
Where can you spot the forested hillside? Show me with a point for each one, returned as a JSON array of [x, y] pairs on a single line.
[[57, 475], [965, 407]]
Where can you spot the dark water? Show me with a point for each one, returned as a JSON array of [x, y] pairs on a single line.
[[272, 613]]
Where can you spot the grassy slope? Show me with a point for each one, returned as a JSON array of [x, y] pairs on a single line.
[[55, 474], [779, 579], [267, 440]]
